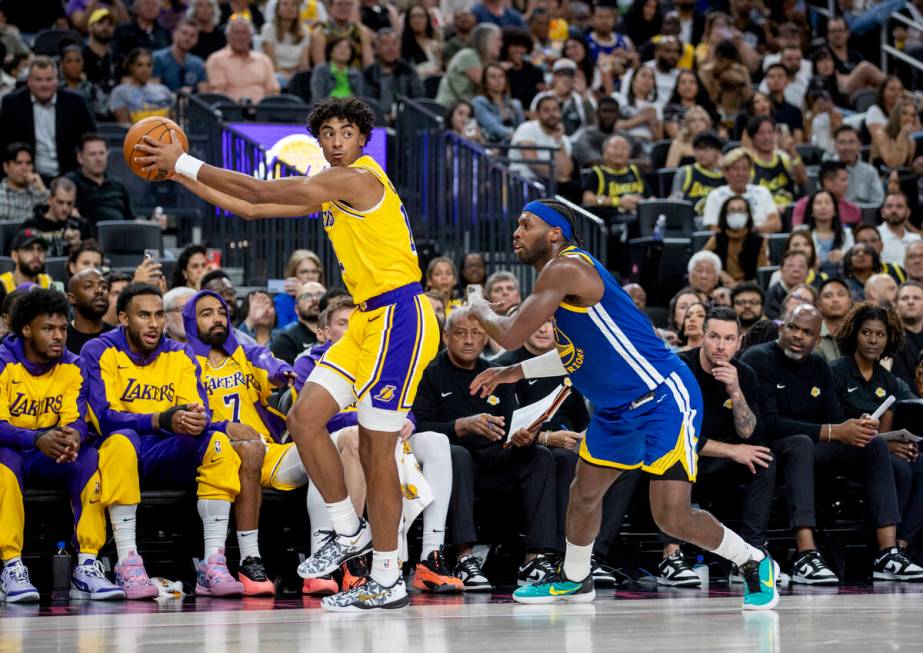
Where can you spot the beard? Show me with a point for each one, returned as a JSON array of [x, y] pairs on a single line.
[[310, 315], [532, 256], [794, 356], [31, 269], [748, 322], [215, 336], [135, 338], [90, 311]]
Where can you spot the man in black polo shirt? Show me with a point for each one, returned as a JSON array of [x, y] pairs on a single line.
[[477, 429], [730, 451], [806, 426], [99, 197]]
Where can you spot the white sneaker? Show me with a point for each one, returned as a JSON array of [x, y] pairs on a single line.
[[809, 568], [676, 573], [89, 582], [15, 586]]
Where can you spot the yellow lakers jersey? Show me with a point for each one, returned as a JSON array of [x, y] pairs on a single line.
[[375, 247], [234, 391], [9, 283], [39, 401]]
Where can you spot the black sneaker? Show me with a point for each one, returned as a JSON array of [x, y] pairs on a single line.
[[468, 569], [368, 596], [809, 568], [252, 575], [355, 572], [336, 550], [603, 575], [535, 571], [891, 564], [676, 573]]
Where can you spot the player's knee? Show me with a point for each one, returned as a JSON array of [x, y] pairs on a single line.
[[122, 446], [251, 454], [348, 442], [584, 496]]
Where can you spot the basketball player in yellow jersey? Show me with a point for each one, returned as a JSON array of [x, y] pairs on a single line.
[[378, 362]]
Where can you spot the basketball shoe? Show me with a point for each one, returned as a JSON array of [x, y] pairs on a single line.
[[335, 550], [15, 586], [432, 575]]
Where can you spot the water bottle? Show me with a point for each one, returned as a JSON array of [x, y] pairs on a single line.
[[60, 573], [701, 570], [660, 227]]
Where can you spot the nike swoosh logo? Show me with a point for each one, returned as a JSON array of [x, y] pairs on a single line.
[[445, 394], [214, 460], [374, 318], [17, 381], [555, 592], [122, 367], [852, 389], [780, 387], [533, 381], [768, 583]]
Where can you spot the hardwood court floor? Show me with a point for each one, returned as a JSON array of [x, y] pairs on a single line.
[[883, 617]]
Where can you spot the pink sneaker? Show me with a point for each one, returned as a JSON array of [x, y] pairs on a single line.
[[132, 578], [214, 579]]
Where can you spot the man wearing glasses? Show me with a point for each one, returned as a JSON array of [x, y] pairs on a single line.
[[747, 300], [301, 334]]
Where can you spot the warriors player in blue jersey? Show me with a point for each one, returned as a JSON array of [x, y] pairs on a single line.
[[647, 404]]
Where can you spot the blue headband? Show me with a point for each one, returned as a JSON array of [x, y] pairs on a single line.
[[552, 217]]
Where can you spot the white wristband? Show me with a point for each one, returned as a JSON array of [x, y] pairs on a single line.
[[188, 166], [548, 364]]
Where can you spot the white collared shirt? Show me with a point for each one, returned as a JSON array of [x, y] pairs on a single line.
[[46, 148], [895, 246]]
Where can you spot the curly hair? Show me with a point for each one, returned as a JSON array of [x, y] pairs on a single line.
[[848, 333], [35, 303], [350, 109]]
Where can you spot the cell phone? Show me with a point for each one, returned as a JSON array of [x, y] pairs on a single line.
[[152, 254], [276, 285], [474, 290], [782, 128]]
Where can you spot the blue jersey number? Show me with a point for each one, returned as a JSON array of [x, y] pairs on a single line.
[[234, 402]]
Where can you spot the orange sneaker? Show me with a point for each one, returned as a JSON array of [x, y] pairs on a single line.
[[355, 572], [323, 586], [432, 575], [252, 575]]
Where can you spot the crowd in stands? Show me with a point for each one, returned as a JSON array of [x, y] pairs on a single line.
[[795, 160]]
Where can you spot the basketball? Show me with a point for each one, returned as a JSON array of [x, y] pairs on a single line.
[[155, 127]]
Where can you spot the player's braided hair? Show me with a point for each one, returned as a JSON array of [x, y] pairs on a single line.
[[848, 333], [32, 304], [350, 109]]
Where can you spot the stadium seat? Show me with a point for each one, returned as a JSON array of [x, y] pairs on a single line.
[[699, 238], [56, 267], [680, 216], [50, 41], [863, 99], [214, 98], [659, 153], [810, 154], [300, 85], [870, 214], [431, 85], [124, 241], [381, 116], [764, 274], [282, 108], [113, 133], [777, 247], [432, 106], [664, 181], [6, 264], [283, 98], [8, 229], [661, 266]]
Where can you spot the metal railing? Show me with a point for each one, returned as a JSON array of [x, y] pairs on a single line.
[[890, 50]]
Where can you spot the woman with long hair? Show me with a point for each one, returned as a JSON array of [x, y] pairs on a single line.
[[741, 249], [831, 239], [640, 111], [893, 146], [336, 77], [694, 123], [890, 92], [869, 334], [442, 277], [497, 113], [463, 73], [692, 331], [303, 266], [285, 40], [137, 96], [687, 93], [759, 104], [421, 43], [459, 119], [190, 266]]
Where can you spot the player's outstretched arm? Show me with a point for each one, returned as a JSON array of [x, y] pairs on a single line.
[[239, 207]]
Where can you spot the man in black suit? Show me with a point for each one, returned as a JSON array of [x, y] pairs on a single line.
[[48, 119]]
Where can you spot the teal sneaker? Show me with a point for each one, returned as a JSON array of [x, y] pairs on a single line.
[[761, 578], [556, 587]]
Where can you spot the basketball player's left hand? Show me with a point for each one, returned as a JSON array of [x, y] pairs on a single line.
[[487, 381], [159, 155], [240, 432], [73, 435]]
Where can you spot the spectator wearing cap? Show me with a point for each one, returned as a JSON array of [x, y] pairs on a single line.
[[56, 222], [99, 197], [49, 120], [587, 143], [142, 32], [695, 181], [22, 188], [576, 108], [28, 254], [237, 70], [81, 12], [525, 78], [546, 132], [615, 182], [176, 67], [98, 59], [737, 165], [834, 302], [834, 179]]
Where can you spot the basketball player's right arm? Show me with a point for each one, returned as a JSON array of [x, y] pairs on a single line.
[[239, 207]]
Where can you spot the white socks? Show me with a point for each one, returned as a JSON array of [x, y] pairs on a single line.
[[733, 548], [385, 567], [83, 558], [123, 529], [343, 517], [215, 517], [319, 517], [249, 544], [577, 561]]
